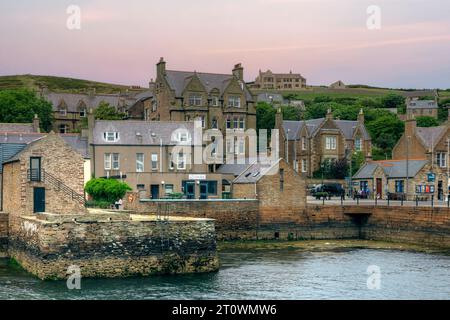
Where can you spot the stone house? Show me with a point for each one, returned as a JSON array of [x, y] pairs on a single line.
[[279, 81], [338, 85], [398, 178], [45, 176], [281, 191], [220, 101], [15, 137], [69, 109], [307, 144], [430, 143], [422, 103]]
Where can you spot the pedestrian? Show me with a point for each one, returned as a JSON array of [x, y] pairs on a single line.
[[120, 202]]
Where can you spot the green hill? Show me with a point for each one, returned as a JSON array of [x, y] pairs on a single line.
[[59, 84]]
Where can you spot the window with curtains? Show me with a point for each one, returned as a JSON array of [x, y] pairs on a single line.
[[441, 159]]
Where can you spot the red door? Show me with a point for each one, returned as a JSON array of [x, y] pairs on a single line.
[[379, 188]]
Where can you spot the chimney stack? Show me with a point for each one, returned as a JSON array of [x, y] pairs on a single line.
[[410, 126], [329, 115], [36, 124], [238, 71], [361, 116], [161, 67]]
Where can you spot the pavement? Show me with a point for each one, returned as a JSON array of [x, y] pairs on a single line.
[[369, 202]]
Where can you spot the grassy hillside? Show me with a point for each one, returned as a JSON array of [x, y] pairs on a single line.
[[57, 84], [356, 91]]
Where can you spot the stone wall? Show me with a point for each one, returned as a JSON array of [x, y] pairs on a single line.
[[3, 234], [112, 245], [234, 219], [58, 159]]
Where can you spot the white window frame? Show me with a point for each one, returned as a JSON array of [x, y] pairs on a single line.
[[195, 99], [303, 143], [140, 162], [115, 161], [111, 136], [63, 112], [441, 159], [234, 101], [83, 112], [358, 144], [330, 143], [154, 162], [214, 101], [228, 123], [242, 123], [304, 166], [181, 159], [107, 161]]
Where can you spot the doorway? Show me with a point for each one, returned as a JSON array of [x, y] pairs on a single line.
[[38, 199], [379, 188], [154, 190], [189, 189], [204, 190], [440, 191]]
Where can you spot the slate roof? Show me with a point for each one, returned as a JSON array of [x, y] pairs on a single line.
[[422, 104], [10, 141], [420, 93], [236, 168], [255, 172], [136, 132], [178, 80], [347, 127], [430, 136], [391, 168], [269, 97], [16, 127], [73, 100]]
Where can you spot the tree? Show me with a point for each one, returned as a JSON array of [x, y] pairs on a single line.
[[385, 129], [21, 105], [332, 169], [106, 190], [393, 100], [425, 121], [265, 116], [357, 161], [105, 111]]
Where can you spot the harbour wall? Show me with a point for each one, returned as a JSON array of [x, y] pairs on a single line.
[[248, 220], [113, 245]]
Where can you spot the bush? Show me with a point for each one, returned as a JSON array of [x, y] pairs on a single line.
[[98, 204], [106, 190]]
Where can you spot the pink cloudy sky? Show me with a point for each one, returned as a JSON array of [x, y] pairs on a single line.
[[325, 40]]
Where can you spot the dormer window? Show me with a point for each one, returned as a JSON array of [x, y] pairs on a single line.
[[195, 100], [82, 113], [234, 101], [181, 136], [111, 136], [63, 112], [358, 144]]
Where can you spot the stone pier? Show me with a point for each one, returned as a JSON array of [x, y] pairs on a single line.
[[111, 244]]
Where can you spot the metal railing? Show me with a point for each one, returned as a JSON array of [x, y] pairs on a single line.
[[37, 175], [416, 201]]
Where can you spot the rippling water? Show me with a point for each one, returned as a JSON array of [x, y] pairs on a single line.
[[264, 274]]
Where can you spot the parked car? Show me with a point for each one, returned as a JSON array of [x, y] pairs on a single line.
[[332, 189]]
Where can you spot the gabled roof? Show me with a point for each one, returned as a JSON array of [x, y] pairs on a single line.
[[430, 136], [347, 127], [137, 132], [178, 80], [391, 168], [73, 100], [255, 172], [77, 142]]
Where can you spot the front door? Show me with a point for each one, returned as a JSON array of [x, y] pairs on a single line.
[[154, 188], [440, 191], [189, 189], [203, 190], [379, 188], [39, 199]]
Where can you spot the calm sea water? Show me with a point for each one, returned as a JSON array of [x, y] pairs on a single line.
[[285, 274]]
